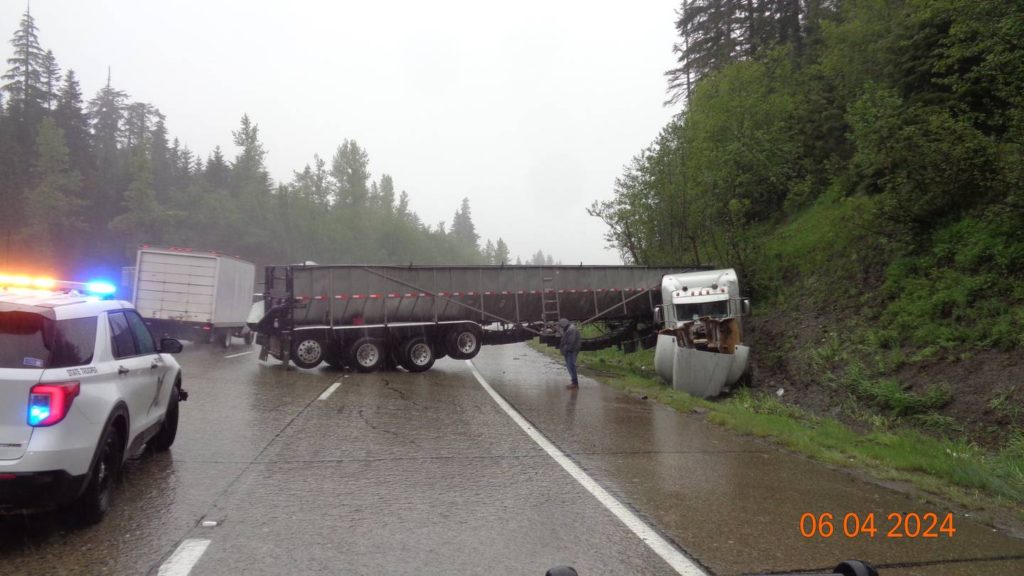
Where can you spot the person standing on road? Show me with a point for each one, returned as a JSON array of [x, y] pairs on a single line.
[[570, 348]]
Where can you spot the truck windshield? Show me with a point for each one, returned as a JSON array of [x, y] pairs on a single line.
[[717, 309], [29, 340]]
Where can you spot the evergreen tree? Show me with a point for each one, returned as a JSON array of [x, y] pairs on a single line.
[[463, 229], [489, 253], [216, 172], [52, 209], [24, 77], [350, 169], [501, 253], [51, 79], [143, 219], [71, 118], [387, 193]]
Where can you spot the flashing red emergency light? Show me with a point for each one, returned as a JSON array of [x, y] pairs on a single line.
[[20, 283]]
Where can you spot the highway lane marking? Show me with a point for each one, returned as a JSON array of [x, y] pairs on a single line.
[[669, 553], [330, 390], [240, 354], [184, 558]]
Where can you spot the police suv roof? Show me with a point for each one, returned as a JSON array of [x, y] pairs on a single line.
[[57, 304]]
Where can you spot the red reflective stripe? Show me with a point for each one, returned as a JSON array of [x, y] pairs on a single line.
[[393, 295], [339, 297], [470, 293], [409, 295], [374, 295], [424, 294], [455, 293], [318, 297], [572, 291], [357, 296], [504, 292], [488, 293]]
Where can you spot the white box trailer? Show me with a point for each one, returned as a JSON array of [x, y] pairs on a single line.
[[193, 295]]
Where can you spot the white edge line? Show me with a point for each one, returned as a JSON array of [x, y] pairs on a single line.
[[669, 553], [184, 558], [330, 390], [240, 354]]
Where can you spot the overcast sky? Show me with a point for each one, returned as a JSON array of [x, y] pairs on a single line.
[[530, 108]]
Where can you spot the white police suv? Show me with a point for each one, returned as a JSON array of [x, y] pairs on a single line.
[[83, 385]]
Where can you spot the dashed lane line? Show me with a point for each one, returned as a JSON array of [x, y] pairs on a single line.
[[669, 553], [240, 354], [330, 390], [184, 558]]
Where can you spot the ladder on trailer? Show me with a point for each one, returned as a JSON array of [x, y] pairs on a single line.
[[550, 309]]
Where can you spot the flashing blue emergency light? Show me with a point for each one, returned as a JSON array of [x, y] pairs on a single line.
[[100, 288], [38, 411]]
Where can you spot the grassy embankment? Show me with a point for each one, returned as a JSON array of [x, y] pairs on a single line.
[[845, 319], [952, 469]]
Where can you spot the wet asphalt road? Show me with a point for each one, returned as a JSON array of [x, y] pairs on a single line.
[[398, 473]]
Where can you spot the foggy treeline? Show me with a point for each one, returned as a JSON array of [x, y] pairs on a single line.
[[86, 181]]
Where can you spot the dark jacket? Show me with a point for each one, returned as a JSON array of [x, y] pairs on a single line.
[[570, 340]]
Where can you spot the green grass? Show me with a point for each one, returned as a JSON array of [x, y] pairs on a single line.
[[953, 469]]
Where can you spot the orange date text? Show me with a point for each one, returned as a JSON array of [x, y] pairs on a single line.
[[894, 525]]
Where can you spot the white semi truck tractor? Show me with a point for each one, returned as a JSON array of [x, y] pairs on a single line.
[[700, 347]]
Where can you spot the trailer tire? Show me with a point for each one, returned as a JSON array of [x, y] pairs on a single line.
[[463, 343], [224, 338], [417, 355], [366, 354], [307, 352]]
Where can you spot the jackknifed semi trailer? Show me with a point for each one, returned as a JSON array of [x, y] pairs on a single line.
[[366, 316], [369, 317]]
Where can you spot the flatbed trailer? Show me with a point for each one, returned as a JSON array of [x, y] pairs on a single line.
[[367, 317]]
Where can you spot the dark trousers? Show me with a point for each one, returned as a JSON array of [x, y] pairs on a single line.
[[570, 364]]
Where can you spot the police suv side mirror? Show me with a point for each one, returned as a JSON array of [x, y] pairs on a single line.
[[170, 346]]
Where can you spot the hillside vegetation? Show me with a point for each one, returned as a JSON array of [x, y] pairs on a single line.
[[860, 163]]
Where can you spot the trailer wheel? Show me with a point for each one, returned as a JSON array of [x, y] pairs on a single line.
[[366, 354], [463, 343], [417, 355], [224, 338], [307, 352]]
